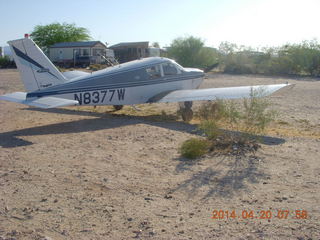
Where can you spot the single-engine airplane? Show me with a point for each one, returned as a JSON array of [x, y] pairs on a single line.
[[148, 80]]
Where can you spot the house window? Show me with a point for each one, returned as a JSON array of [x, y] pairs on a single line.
[[85, 52], [154, 72]]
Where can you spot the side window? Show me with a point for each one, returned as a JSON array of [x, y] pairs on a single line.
[[169, 69], [85, 52], [154, 72]]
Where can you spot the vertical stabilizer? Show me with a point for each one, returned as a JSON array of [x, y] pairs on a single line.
[[36, 70]]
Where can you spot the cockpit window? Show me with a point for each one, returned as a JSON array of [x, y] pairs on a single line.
[[169, 69], [154, 72], [179, 67]]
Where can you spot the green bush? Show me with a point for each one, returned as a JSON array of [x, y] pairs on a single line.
[[5, 62], [256, 115], [245, 120], [251, 116], [211, 110], [210, 129], [297, 59], [96, 67], [194, 148], [191, 52]]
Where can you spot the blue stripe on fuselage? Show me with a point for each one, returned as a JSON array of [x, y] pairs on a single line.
[[113, 86]]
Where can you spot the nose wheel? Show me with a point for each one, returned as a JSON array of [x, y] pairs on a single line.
[[186, 111]]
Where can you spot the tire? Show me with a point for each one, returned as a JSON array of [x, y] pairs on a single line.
[[188, 104], [187, 115], [117, 107]]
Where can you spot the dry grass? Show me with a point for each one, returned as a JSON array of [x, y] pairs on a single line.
[[246, 123]]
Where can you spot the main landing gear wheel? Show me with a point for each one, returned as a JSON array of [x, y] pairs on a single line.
[[117, 107], [186, 111]]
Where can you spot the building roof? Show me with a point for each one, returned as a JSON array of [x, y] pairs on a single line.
[[130, 44], [76, 44]]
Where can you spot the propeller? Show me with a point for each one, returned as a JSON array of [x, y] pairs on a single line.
[[209, 68]]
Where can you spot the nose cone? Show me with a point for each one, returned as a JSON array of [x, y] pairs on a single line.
[[197, 70]]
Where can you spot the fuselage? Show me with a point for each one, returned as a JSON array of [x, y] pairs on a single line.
[[130, 83]]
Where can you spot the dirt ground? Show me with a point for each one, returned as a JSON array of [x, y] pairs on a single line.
[[84, 173]]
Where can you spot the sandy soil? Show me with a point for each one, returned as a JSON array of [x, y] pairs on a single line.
[[80, 173]]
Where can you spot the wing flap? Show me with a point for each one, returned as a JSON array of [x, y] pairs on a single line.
[[220, 93], [44, 102]]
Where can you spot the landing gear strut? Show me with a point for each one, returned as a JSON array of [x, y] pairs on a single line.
[[186, 111]]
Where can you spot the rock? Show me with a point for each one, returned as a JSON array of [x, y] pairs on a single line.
[[47, 238], [167, 196]]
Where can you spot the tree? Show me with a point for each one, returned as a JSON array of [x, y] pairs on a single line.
[[155, 44], [47, 35], [190, 52]]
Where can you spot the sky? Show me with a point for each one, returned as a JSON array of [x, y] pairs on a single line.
[[255, 23]]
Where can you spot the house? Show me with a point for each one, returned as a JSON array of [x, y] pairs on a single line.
[[6, 52], [128, 51], [79, 53]]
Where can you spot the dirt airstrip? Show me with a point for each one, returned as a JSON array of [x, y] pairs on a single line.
[[84, 173]]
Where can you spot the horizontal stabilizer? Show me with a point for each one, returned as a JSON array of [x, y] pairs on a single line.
[[44, 102], [218, 93]]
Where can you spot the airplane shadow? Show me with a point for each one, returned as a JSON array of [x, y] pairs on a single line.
[[237, 172], [102, 121]]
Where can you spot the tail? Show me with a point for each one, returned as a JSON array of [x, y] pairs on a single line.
[[36, 70]]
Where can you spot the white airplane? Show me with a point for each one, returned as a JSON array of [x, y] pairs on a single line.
[[148, 80]]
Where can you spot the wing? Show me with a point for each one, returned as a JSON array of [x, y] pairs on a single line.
[[44, 102], [217, 93]]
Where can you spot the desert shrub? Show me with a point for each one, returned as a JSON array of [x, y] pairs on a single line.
[[210, 128], [5, 62], [96, 67], [256, 115], [297, 59], [211, 110], [191, 52], [194, 148], [246, 120]]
